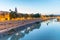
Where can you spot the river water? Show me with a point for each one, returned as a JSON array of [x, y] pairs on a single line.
[[47, 30]]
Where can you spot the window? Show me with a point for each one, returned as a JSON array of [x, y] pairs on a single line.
[[6, 18]]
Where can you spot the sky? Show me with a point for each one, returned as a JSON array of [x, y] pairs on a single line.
[[31, 6]]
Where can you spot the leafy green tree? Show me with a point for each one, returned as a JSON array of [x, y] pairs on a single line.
[[13, 14], [51, 15], [26, 16], [36, 15]]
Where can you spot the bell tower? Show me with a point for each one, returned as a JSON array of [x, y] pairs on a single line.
[[16, 10]]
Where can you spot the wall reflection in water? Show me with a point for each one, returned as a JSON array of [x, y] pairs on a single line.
[[18, 33]]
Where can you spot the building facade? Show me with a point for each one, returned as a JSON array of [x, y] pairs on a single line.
[[4, 15]]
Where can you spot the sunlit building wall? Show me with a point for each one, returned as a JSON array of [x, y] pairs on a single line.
[[4, 16]]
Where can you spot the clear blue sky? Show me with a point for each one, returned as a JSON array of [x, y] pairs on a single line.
[[31, 6]]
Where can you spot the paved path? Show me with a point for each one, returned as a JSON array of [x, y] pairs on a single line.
[[8, 25]]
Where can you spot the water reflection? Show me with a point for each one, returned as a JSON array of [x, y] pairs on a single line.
[[16, 34], [35, 32], [52, 20], [58, 20], [27, 30], [48, 23]]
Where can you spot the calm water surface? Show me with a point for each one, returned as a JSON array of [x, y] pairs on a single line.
[[47, 30]]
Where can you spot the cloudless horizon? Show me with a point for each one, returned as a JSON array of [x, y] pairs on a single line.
[[31, 6]]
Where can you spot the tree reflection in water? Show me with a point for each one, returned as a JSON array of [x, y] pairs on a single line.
[[20, 32]]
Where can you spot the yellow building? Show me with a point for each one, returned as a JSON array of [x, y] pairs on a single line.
[[4, 16]]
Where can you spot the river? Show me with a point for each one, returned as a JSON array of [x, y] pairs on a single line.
[[46, 30]]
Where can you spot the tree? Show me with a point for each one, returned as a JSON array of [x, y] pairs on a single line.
[[36, 15], [51, 15], [13, 14], [26, 16]]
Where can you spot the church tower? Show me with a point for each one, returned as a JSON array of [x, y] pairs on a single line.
[[16, 10]]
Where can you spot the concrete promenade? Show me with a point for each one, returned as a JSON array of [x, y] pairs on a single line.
[[8, 25]]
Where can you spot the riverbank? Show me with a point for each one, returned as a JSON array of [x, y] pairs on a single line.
[[8, 25]]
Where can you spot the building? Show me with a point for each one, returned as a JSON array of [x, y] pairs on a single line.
[[4, 16]]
